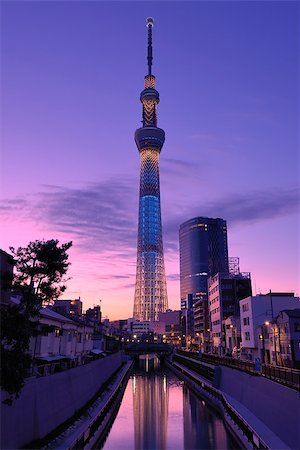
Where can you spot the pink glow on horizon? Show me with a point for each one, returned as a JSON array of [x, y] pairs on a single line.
[[100, 276]]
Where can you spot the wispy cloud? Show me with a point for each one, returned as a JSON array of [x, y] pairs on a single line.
[[237, 209], [102, 217]]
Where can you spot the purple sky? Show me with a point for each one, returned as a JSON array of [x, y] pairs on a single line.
[[227, 73]]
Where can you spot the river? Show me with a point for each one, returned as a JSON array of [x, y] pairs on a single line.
[[160, 412]]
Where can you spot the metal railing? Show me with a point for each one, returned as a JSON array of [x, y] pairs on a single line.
[[49, 368], [284, 375], [256, 441], [203, 370]]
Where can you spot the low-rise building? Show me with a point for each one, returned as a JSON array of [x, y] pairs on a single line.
[[187, 320], [171, 321], [94, 315], [257, 310], [279, 340], [201, 337], [6, 276], [232, 327], [117, 327], [60, 338], [72, 307], [141, 327]]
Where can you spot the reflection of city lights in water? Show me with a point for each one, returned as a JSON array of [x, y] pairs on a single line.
[[160, 412], [165, 383], [148, 362], [134, 384], [150, 406]]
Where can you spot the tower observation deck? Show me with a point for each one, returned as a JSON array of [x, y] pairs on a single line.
[[150, 289]]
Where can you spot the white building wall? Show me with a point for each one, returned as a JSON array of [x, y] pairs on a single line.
[[214, 301], [140, 327], [255, 310], [64, 340]]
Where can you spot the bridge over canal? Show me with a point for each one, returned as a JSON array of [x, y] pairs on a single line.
[[141, 348]]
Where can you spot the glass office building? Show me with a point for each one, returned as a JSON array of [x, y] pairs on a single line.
[[150, 289], [203, 253]]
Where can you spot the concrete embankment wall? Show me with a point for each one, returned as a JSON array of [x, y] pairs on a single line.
[[277, 406], [47, 402]]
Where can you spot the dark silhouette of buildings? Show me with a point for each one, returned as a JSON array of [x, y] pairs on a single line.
[[94, 314], [72, 307], [6, 276]]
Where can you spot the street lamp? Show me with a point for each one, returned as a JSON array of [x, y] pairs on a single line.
[[274, 338], [234, 339]]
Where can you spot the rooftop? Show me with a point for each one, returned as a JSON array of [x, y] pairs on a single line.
[[292, 312]]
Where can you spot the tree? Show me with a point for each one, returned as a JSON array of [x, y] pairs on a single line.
[[40, 268]]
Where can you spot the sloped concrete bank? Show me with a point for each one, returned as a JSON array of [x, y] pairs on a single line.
[[224, 390], [91, 428], [46, 403]]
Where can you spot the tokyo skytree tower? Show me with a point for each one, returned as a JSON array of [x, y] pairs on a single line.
[[150, 288]]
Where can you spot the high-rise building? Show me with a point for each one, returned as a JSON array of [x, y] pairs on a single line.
[[150, 289], [203, 253]]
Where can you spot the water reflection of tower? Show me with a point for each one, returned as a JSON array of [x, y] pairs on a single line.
[[201, 428], [150, 404]]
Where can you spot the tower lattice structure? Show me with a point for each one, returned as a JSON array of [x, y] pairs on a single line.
[[150, 288]]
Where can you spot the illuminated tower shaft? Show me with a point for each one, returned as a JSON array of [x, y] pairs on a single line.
[[150, 289]]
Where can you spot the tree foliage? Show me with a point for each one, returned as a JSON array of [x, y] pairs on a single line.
[[41, 267], [39, 278], [18, 324]]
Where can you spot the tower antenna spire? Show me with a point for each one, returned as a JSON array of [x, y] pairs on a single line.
[[150, 23]]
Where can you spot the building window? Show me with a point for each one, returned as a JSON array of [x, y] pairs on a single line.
[[247, 336], [246, 320], [245, 307]]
